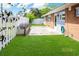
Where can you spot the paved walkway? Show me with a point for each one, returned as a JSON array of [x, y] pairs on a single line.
[[42, 30]]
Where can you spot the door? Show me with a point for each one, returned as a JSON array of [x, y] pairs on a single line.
[[55, 21]]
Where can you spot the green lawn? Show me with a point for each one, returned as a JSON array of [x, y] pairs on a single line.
[[38, 25], [41, 46]]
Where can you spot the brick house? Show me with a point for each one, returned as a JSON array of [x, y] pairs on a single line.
[[71, 19]]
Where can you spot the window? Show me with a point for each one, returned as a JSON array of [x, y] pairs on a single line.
[[63, 16], [49, 17], [77, 11]]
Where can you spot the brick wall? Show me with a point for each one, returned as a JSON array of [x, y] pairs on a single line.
[[51, 22], [72, 23]]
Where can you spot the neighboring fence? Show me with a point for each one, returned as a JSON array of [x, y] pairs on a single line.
[[38, 21]]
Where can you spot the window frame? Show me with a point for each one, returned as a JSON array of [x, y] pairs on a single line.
[[77, 12]]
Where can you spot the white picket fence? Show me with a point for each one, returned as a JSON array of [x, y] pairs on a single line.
[[8, 30]]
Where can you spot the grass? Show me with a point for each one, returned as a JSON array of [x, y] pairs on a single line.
[[56, 45], [38, 25]]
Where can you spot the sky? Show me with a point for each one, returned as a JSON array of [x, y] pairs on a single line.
[[18, 6]]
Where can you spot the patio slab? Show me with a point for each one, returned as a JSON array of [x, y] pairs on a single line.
[[43, 30]]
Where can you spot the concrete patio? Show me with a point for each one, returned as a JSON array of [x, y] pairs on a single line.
[[43, 30]]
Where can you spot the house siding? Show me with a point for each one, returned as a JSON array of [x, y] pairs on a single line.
[[51, 24], [72, 23]]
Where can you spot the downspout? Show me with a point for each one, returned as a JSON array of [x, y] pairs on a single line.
[[66, 11]]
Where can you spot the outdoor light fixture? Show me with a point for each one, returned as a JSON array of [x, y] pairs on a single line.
[[70, 8]]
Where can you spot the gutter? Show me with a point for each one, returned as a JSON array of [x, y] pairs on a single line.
[[66, 5]]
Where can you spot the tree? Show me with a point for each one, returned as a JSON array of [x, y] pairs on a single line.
[[31, 16], [44, 10], [36, 12]]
